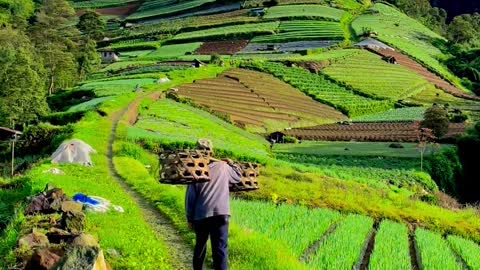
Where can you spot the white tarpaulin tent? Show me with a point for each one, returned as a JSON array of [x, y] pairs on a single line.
[[74, 151]]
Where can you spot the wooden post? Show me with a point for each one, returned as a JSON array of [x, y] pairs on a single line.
[[13, 153]]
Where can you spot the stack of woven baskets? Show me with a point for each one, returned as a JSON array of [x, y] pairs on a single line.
[[186, 167]]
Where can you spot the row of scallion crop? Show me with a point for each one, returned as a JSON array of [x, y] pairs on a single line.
[[340, 241]]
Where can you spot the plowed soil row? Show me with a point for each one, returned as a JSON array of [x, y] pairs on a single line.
[[222, 47], [421, 70], [385, 132], [256, 99]]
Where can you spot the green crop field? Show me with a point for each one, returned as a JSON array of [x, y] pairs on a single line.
[[89, 105], [304, 11], [435, 253], [174, 125], [158, 8], [376, 149], [229, 31], [324, 90], [172, 51], [303, 30], [395, 115], [390, 81], [391, 250], [86, 4], [116, 87], [404, 33]]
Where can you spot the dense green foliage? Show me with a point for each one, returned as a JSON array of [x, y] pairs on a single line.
[[468, 149], [22, 95], [436, 119], [91, 25], [446, 169]]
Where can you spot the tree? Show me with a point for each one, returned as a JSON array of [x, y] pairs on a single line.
[[54, 37], [91, 25], [22, 94], [468, 149], [15, 13], [425, 138], [461, 30], [436, 119], [89, 59]]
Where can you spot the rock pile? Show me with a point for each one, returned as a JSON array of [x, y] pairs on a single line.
[[52, 237]]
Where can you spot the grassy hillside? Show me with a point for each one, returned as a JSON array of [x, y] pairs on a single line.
[[202, 69]]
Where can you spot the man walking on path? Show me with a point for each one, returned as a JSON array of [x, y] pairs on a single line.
[[208, 211]]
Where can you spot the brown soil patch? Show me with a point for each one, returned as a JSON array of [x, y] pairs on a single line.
[[222, 47]]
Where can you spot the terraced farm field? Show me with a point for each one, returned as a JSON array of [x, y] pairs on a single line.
[[229, 31], [175, 125], [404, 33], [381, 132], [157, 8], [304, 11], [303, 30], [342, 240], [252, 99], [396, 115], [325, 91], [389, 81], [222, 47], [421, 70], [101, 3]]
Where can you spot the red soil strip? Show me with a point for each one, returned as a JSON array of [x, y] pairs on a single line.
[[421, 70], [222, 47], [384, 132]]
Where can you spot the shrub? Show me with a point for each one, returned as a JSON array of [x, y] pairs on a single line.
[[436, 119], [63, 118], [64, 99], [42, 139], [445, 169]]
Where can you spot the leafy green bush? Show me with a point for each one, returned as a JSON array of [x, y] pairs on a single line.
[[445, 169], [63, 118], [43, 138], [64, 99]]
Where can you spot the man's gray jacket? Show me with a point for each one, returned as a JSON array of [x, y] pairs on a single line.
[[212, 198]]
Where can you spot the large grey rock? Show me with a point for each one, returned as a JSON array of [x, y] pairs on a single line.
[[73, 222], [85, 240], [83, 258]]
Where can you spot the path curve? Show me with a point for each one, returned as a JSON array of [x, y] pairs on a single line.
[[180, 252]]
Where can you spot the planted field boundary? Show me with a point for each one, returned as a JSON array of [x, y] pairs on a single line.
[[392, 82], [354, 241], [406, 61], [290, 31], [396, 115], [379, 132], [251, 98], [304, 11], [321, 89], [159, 8]]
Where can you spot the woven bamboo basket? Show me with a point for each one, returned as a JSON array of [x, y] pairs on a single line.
[[184, 167]]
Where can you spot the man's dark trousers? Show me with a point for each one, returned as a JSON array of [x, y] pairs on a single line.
[[217, 228]]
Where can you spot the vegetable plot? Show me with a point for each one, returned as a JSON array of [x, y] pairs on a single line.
[[343, 248], [321, 89], [435, 252], [304, 30], [468, 250], [396, 115], [304, 11], [391, 250]]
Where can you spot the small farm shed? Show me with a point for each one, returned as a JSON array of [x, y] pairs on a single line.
[[370, 43], [109, 56], [197, 63], [276, 137], [7, 134], [257, 12]]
